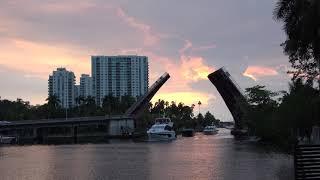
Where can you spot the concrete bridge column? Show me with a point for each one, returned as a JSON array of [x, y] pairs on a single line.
[[118, 127], [74, 133], [34, 133]]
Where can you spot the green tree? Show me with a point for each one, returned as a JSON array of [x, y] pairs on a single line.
[[209, 119], [302, 26], [126, 102], [260, 111], [53, 101], [111, 105], [89, 108], [258, 95], [300, 108], [53, 107], [199, 121]]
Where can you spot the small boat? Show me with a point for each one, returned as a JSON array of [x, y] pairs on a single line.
[[7, 139], [162, 130], [187, 132], [210, 130]]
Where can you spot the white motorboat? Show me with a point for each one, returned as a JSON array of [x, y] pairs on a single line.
[[210, 130], [162, 130], [7, 139]]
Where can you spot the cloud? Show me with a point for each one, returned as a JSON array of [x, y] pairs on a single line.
[[45, 34], [255, 72], [38, 59], [150, 38], [194, 69], [184, 71], [66, 6], [204, 48], [187, 70], [47, 7], [189, 47]]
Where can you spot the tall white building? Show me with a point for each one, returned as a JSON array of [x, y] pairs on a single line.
[[86, 86], [62, 85], [119, 76]]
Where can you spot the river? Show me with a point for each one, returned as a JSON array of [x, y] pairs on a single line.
[[200, 157]]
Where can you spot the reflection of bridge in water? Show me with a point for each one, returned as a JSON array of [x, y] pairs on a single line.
[[113, 126]]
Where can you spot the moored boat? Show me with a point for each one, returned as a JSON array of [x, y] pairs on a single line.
[[162, 130], [210, 130], [7, 139]]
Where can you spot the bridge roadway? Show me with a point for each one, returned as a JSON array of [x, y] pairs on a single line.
[[42, 130], [77, 121]]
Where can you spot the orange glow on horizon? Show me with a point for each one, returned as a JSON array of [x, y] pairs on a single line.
[[188, 98]]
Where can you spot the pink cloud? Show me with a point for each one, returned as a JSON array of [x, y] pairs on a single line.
[[187, 45], [66, 6], [38, 59], [194, 69], [203, 48], [255, 72], [150, 38]]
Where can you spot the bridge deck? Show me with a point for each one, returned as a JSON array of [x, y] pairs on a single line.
[[61, 122]]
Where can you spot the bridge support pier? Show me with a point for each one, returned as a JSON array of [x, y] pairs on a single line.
[[74, 133], [121, 127]]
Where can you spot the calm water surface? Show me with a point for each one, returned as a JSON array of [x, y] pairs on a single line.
[[199, 157]]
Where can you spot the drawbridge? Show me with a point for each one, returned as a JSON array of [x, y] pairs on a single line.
[[144, 100], [231, 94]]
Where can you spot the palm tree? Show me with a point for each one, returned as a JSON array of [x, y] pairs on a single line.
[[302, 26], [53, 101], [53, 105], [90, 107], [199, 104]]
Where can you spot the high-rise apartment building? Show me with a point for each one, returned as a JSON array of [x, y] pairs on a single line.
[[62, 85], [119, 76], [86, 86]]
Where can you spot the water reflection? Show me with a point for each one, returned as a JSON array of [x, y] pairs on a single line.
[[199, 157]]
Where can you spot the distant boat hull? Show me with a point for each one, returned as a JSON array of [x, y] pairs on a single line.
[[162, 136], [7, 140], [210, 132]]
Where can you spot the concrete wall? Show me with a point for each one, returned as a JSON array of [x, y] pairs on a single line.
[[115, 127]]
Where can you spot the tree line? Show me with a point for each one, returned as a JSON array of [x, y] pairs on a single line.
[[181, 114], [279, 117]]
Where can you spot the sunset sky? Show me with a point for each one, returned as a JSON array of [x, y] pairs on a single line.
[[186, 38]]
